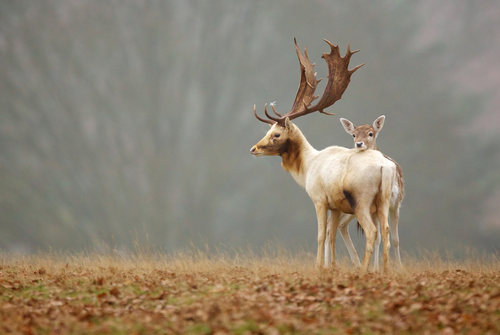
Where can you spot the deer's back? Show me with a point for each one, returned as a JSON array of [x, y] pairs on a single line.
[[338, 173]]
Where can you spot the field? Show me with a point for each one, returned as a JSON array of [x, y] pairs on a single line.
[[273, 293]]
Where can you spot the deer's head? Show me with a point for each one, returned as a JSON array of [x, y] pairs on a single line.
[[277, 138], [276, 141], [365, 136]]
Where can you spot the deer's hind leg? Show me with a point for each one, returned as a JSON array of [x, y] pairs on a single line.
[[394, 216], [382, 213], [366, 222], [376, 250]]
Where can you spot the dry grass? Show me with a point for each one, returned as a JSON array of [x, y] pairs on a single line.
[[273, 292]]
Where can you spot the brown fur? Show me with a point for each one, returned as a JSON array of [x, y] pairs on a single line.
[[362, 132], [292, 159]]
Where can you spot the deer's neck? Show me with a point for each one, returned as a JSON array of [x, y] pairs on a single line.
[[297, 156]]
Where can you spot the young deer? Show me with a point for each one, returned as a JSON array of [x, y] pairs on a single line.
[[365, 138], [337, 179]]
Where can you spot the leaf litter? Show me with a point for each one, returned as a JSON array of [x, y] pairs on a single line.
[[190, 294]]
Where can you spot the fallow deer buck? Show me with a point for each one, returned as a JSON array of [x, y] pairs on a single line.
[[365, 138], [337, 179]]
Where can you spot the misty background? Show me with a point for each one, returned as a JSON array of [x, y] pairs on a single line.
[[131, 121]]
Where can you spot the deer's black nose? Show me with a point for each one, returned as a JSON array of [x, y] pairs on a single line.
[[359, 144], [252, 151]]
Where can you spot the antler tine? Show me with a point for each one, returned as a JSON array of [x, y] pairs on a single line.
[[275, 112], [356, 68], [271, 117], [322, 111], [333, 48], [259, 118], [348, 55]]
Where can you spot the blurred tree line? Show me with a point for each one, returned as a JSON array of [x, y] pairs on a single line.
[[132, 120]]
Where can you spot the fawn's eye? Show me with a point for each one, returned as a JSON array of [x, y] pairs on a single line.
[[276, 135], [354, 135], [370, 134]]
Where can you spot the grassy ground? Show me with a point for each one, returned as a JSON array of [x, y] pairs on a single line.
[[274, 293]]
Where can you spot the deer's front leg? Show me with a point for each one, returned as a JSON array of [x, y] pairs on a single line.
[[321, 214]]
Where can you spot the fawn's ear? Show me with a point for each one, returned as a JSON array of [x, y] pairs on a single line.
[[348, 125], [379, 123]]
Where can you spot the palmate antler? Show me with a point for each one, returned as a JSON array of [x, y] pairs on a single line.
[[339, 77]]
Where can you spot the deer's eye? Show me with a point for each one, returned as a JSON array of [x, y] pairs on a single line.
[[354, 135], [276, 135], [370, 134]]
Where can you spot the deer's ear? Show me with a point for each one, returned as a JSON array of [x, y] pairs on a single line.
[[288, 124], [348, 125], [379, 123]]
